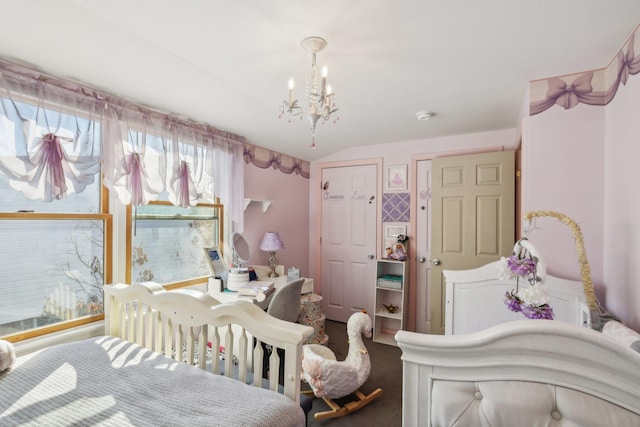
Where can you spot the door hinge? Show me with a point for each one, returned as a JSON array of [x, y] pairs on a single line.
[[518, 174]]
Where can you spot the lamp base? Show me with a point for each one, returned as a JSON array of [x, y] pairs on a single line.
[[273, 264]]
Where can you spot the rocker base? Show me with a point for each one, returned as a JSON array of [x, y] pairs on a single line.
[[340, 411]]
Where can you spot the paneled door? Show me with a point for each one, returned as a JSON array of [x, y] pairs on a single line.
[[423, 208], [348, 241], [473, 217]]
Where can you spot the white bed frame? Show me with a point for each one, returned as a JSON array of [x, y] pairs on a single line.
[[564, 357], [163, 320], [475, 299]]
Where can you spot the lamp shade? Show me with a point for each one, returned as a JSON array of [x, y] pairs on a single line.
[[271, 242]]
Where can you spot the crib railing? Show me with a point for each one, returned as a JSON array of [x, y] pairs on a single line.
[[195, 328]]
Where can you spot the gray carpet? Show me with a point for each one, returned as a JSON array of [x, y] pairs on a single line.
[[386, 373]]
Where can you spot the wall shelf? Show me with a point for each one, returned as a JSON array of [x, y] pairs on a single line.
[[265, 203]]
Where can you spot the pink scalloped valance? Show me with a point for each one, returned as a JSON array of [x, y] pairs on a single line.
[[265, 158]]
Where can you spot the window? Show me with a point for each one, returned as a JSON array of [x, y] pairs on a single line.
[[68, 152], [167, 241], [53, 262]]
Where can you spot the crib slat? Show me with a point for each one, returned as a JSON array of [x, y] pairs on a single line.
[[215, 351], [228, 352], [242, 356], [168, 337], [274, 369], [139, 323], [202, 347], [178, 342], [190, 350], [258, 360]]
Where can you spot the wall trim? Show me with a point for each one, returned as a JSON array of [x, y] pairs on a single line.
[[595, 87]]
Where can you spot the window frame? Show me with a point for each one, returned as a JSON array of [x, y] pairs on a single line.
[[107, 219], [198, 280]]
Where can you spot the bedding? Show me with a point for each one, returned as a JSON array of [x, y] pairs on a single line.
[[111, 382]]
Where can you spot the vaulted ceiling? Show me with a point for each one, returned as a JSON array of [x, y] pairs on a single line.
[[227, 63]]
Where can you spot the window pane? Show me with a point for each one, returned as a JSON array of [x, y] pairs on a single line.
[[51, 271], [167, 242], [86, 202]]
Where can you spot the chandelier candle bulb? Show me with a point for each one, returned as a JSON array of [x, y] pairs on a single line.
[[324, 81], [291, 86]]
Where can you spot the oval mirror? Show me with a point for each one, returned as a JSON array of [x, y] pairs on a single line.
[[241, 252]]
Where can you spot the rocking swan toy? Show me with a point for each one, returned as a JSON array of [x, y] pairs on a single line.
[[331, 379]]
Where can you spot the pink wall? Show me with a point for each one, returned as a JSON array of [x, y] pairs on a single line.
[[622, 204], [288, 215], [563, 171], [581, 161]]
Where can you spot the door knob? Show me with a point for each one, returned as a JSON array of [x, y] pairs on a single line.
[[371, 256], [422, 259], [436, 261]]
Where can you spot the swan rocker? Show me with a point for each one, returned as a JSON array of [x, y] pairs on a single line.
[[332, 379]]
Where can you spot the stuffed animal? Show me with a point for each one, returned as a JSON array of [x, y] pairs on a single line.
[[7, 355], [400, 252]]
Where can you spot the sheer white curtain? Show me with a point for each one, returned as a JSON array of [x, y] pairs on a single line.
[[55, 134], [47, 152]]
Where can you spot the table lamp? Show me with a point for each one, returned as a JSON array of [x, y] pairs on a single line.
[[271, 243]]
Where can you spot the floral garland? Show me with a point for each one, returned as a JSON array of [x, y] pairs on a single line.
[[531, 301]]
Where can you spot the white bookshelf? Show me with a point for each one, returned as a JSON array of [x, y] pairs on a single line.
[[391, 283]]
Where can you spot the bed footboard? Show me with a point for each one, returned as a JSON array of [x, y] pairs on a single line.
[[578, 370], [184, 324]]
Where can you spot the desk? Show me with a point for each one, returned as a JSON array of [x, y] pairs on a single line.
[[230, 296], [213, 289]]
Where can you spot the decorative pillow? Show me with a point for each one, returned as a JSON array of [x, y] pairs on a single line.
[[7, 355], [623, 334]]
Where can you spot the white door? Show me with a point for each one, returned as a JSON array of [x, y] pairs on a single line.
[[348, 241], [473, 217], [422, 208]]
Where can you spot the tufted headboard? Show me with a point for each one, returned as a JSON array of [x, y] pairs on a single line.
[[520, 373]]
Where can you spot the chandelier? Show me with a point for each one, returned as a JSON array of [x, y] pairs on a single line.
[[320, 99]]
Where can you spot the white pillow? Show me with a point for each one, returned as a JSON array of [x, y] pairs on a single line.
[[623, 334]]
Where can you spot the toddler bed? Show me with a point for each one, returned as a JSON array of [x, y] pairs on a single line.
[[135, 375]]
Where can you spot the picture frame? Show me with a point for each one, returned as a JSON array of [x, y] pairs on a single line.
[[391, 235], [396, 177], [215, 260], [393, 231]]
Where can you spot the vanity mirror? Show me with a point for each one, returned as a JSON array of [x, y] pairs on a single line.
[[241, 252]]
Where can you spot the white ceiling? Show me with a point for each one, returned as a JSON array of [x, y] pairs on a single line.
[[227, 63]]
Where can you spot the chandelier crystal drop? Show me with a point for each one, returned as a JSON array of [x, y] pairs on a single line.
[[320, 99]]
